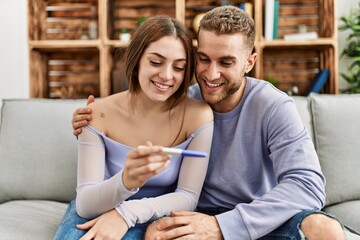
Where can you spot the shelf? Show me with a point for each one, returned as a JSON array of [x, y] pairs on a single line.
[[287, 43], [89, 29], [298, 65], [63, 20], [64, 72], [124, 14], [64, 43], [115, 43]]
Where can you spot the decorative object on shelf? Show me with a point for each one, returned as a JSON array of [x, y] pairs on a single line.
[[319, 81], [352, 50], [294, 90], [196, 21], [124, 36], [302, 28], [301, 36], [93, 29]]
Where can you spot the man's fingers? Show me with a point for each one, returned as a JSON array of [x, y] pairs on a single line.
[[77, 132], [88, 236], [82, 111], [171, 222], [87, 224], [178, 232], [90, 99], [182, 213]]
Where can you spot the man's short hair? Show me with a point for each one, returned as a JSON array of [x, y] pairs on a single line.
[[228, 20]]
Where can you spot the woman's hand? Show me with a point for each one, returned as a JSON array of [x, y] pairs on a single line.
[[109, 225], [142, 163]]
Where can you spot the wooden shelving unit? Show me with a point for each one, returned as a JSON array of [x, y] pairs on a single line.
[[73, 43]]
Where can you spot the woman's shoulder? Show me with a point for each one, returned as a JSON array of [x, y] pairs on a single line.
[[198, 113], [107, 102], [102, 109], [198, 105]]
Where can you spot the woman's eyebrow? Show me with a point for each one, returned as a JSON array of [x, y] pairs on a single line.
[[161, 56]]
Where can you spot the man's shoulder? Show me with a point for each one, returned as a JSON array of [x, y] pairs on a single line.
[[264, 91], [194, 92]]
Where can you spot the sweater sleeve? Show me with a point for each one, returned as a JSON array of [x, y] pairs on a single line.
[[94, 194], [185, 198], [299, 180]]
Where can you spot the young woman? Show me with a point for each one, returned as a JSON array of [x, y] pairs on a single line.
[[124, 179]]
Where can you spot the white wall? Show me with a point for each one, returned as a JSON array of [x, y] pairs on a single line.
[[14, 70], [343, 8], [14, 66]]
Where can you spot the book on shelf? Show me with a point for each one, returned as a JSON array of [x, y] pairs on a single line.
[[276, 18], [269, 19], [301, 36], [247, 7], [319, 81]]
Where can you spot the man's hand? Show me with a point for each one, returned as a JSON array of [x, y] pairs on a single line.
[[185, 225], [81, 117], [109, 225]]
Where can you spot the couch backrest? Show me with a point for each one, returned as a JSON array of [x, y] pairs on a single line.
[[336, 125], [303, 107], [44, 167], [38, 153]]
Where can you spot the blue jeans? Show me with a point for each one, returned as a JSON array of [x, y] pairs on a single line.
[[68, 230], [290, 230]]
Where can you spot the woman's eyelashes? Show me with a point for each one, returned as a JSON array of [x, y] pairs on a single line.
[[177, 67]]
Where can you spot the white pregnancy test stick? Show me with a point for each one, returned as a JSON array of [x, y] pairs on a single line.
[[184, 153]]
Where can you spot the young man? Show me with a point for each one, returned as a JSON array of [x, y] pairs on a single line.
[[264, 177]]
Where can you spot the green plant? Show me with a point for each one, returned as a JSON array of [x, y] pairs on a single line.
[[352, 50], [141, 20]]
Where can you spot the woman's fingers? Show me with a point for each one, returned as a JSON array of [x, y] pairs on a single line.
[[143, 163]]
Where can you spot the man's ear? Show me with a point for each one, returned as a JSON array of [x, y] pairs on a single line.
[[250, 62]]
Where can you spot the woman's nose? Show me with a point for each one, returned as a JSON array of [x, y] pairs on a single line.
[[166, 73]]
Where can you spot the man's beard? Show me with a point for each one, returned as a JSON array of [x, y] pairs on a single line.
[[224, 94]]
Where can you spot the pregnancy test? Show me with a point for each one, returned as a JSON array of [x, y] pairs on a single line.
[[184, 153]]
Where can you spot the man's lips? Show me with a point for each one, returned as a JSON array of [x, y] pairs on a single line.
[[212, 85]]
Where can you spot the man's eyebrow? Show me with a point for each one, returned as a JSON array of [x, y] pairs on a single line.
[[229, 57], [161, 56]]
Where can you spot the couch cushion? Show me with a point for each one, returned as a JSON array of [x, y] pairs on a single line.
[[30, 219], [348, 212], [337, 141], [38, 152]]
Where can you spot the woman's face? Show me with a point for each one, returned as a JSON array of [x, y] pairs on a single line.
[[162, 68]]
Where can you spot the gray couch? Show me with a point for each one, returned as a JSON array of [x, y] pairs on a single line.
[[38, 155]]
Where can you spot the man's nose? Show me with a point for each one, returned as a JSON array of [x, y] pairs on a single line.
[[213, 72]]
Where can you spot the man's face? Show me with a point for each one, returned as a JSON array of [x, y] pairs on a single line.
[[221, 63]]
